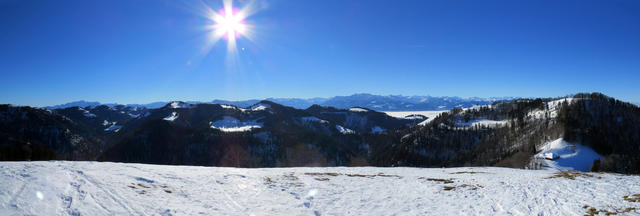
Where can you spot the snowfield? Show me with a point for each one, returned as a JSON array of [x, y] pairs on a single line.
[[357, 109], [344, 130], [409, 115], [231, 124], [172, 117], [99, 188], [568, 156], [482, 123]]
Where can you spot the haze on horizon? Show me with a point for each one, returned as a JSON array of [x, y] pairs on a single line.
[[53, 52]]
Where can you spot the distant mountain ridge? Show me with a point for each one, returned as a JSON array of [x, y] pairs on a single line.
[[369, 101], [512, 133]]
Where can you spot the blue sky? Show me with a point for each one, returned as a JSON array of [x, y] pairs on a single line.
[[139, 51]]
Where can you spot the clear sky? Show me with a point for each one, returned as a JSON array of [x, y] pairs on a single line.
[[139, 51]]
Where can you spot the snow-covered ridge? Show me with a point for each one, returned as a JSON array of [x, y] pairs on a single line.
[[232, 107], [172, 117], [178, 105], [231, 124], [430, 114], [260, 106], [99, 188], [357, 109]]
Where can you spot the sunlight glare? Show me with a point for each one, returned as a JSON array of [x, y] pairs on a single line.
[[229, 24]]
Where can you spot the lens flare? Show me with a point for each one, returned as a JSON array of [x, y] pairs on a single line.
[[229, 24]]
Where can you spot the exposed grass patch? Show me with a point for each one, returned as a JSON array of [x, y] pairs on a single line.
[[321, 179], [570, 174], [453, 187], [144, 186], [268, 180], [323, 174], [287, 180], [594, 211], [353, 175], [467, 172], [386, 175], [632, 198], [291, 177], [444, 181]]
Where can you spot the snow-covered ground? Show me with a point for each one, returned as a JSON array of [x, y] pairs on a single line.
[[315, 119], [357, 109], [231, 124], [225, 106], [570, 156], [98, 188], [260, 106], [377, 129], [114, 128], [178, 105], [482, 122], [432, 114], [172, 117], [344, 130]]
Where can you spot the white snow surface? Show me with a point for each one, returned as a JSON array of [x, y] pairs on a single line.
[[103, 188], [430, 114], [377, 129], [260, 106], [231, 124], [113, 127], [357, 109], [482, 122], [176, 105], [86, 113], [552, 111], [570, 156], [224, 106], [172, 117], [315, 119], [344, 130]]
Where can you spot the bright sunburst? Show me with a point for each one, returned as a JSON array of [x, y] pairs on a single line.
[[229, 24]]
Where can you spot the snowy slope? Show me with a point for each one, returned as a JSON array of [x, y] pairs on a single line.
[[482, 122], [95, 188], [432, 114], [571, 156], [172, 117], [231, 124], [344, 130]]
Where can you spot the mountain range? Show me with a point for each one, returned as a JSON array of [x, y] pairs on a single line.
[[584, 132], [370, 101]]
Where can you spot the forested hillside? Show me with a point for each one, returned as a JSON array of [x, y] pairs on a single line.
[[511, 133]]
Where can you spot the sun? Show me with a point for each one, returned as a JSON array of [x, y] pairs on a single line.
[[229, 24]]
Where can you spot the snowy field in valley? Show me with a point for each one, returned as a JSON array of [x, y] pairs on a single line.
[[432, 114], [567, 156], [98, 188]]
